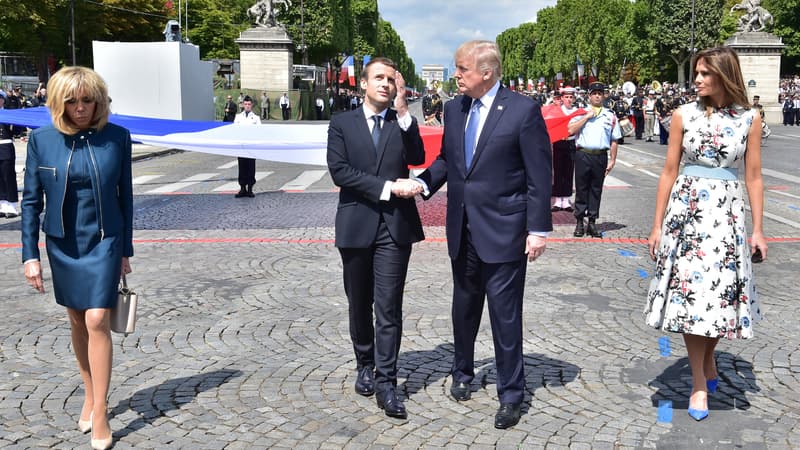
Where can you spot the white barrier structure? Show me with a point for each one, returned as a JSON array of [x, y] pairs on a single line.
[[165, 80]]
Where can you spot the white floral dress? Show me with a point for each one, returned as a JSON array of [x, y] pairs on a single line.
[[703, 281]]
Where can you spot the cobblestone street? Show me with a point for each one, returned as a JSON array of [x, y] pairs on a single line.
[[242, 342]]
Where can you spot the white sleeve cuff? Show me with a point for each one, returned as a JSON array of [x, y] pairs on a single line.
[[386, 194], [425, 190], [404, 121]]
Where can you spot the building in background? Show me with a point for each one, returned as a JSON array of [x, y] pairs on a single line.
[[433, 72]]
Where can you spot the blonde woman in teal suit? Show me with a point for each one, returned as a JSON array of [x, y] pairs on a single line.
[[81, 167]]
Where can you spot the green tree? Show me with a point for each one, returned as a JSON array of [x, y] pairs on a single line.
[[324, 28], [565, 32], [787, 26], [364, 14], [671, 28], [42, 27], [517, 48], [391, 46], [214, 28]]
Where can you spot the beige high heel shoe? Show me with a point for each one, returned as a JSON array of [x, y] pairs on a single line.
[[85, 426], [103, 444]]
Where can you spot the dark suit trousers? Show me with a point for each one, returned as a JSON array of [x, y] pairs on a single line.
[[639, 125], [8, 181], [663, 134], [247, 171], [590, 171], [503, 286], [375, 277]]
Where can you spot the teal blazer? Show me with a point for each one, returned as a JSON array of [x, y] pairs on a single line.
[[46, 168]]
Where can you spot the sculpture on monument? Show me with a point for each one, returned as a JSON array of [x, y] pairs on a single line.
[[755, 17], [263, 12]]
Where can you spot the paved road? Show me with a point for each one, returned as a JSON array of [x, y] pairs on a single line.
[[242, 340]]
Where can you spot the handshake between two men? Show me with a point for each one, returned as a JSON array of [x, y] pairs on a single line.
[[406, 188]]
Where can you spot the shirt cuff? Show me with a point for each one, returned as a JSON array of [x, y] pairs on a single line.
[[404, 122], [425, 190], [386, 193], [542, 234], [30, 260]]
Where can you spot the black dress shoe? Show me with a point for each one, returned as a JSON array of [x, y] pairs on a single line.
[[10, 215], [507, 416], [2, 214], [578, 229], [568, 209], [460, 391], [556, 208], [592, 230], [391, 404], [365, 381], [241, 194]]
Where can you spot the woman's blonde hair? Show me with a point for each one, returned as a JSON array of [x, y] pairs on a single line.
[[723, 63], [67, 84]]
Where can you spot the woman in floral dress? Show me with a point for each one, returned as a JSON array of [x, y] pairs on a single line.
[[703, 283]]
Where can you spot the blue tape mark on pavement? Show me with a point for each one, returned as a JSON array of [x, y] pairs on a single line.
[[665, 411], [663, 346], [626, 253], [794, 207], [642, 273]]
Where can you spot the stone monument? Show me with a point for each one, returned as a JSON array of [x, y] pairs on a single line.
[[759, 55], [266, 50]]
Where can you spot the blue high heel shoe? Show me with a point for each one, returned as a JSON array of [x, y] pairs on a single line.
[[698, 414], [711, 385]]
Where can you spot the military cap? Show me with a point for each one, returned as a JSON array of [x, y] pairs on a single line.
[[596, 86]]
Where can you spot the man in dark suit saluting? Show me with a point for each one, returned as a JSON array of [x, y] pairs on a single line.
[[497, 162], [369, 151]]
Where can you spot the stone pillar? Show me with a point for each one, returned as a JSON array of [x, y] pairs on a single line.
[[265, 59], [760, 58]]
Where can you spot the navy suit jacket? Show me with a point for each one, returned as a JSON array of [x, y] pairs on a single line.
[[361, 172], [506, 191]]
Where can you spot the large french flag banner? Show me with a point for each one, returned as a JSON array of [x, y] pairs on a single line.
[[556, 121], [298, 143]]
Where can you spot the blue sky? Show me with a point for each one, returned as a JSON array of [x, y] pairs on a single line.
[[432, 30]]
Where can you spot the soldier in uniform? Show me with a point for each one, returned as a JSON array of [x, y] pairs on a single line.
[[596, 135], [663, 113], [637, 106], [8, 176], [620, 108]]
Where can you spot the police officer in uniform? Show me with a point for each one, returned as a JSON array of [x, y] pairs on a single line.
[[596, 135]]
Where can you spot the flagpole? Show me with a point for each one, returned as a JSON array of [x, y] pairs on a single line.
[[180, 18]]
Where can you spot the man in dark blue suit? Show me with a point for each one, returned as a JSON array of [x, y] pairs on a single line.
[[497, 162], [369, 151]]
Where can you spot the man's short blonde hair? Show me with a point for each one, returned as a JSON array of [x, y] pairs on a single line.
[[486, 54]]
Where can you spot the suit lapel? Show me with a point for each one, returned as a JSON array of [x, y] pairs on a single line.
[[364, 137], [495, 112]]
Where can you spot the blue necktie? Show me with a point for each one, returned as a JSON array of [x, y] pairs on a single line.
[[376, 130], [471, 133]]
